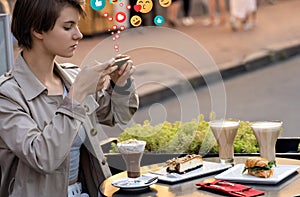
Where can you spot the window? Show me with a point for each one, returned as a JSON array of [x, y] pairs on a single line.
[[6, 45]]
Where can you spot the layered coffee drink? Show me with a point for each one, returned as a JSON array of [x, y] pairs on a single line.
[[132, 151], [266, 133], [225, 132], [132, 161]]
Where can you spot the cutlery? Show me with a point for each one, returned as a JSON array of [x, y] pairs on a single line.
[[133, 181], [150, 180], [225, 183], [217, 186], [127, 182], [170, 175], [236, 192], [239, 193], [159, 173], [211, 180]]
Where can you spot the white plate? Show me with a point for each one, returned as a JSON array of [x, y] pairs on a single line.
[[235, 174], [207, 168], [134, 184]]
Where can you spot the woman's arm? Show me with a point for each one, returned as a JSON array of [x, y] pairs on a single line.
[[44, 149], [117, 104]]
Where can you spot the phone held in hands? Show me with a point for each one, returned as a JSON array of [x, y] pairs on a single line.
[[119, 61]]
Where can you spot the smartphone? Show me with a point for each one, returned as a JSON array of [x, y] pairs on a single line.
[[120, 61]]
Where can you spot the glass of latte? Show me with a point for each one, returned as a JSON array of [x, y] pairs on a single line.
[[266, 133], [132, 151], [225, 132]]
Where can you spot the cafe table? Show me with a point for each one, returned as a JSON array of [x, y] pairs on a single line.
[[289, 187]]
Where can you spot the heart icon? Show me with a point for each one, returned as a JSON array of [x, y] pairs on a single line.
[[120, 17], [137, 8]]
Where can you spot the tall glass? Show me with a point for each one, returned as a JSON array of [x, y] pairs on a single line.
[[225, 132], [132, 152], [266, 133]]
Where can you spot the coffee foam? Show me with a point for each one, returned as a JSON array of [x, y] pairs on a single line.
[[266, 125], [131, 146], [224, 123]]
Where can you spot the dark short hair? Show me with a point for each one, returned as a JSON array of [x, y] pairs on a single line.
[[38, 15]]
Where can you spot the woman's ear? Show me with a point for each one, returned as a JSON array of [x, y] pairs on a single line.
[[38, 35]]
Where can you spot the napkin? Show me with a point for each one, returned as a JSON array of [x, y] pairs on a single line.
[[232, 189]]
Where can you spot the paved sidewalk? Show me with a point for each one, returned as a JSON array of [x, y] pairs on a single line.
[[276, 37]]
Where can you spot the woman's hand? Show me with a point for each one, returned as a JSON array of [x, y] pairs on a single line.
[[91, 79], [120, 76]]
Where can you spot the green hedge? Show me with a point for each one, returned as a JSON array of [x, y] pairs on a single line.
[[186, 137]]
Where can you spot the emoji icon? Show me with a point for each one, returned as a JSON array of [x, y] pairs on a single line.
[[146, 5], [114, 27], [120, 17], [116, 47], [105, 14], [98, 4], [136, 20], [113, 1], [165, 3], [159, 20], [122, 27], [137, 8]]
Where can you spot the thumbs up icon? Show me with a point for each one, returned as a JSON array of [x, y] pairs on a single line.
[[98, 4]]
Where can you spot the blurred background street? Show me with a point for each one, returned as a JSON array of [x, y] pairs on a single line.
[[276, 24], [270, 93]]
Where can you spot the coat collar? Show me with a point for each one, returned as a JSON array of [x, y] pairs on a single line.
[[29, 82]]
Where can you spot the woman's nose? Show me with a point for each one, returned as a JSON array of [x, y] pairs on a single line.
[[78, 35]]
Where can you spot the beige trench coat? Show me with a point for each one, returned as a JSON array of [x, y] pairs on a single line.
[[37, 132]]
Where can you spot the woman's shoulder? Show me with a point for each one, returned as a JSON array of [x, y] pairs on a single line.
[[8, 85], [5, 77]]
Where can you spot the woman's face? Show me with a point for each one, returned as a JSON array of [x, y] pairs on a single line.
[[63, 39]]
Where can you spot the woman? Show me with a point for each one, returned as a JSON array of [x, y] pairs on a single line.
[[213, 19], [173, 12], [243, 13], [49, 112]]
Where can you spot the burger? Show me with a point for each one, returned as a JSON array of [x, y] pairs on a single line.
[[259, 167]]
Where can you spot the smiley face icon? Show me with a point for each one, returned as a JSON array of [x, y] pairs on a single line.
[[165, 3], [146, 5], [136, 20], [113, 1]]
